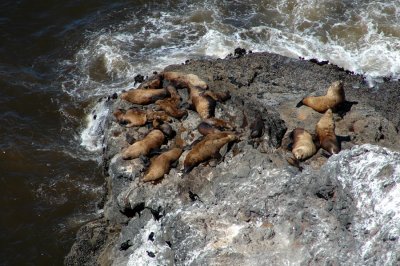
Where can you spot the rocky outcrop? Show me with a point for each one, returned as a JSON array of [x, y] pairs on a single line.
[[252, 207]]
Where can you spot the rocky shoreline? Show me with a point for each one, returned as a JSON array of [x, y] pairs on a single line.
[[253, 207]]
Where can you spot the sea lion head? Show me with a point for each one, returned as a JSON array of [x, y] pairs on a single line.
[[124, 96], [325, 130], [336, 90], [303, 144], [118, 114]]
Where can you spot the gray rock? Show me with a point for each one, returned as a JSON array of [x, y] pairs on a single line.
[[251, 207]]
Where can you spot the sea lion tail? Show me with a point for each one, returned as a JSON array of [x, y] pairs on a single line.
[[299, 104]]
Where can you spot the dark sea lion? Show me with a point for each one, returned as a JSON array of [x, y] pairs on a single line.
[[144, 96], [325, 130], [154, 139], [214, 125], [171, 105], [207, 148], [334, 97], [132, 117], [206, 129], [303, 144], [160, 165], [166, 128], [181, 80], [257, 127], [154, 82]]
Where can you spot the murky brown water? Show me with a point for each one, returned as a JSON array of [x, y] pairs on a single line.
[[48, 185]]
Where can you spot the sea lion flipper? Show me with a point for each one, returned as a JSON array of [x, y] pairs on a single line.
[[294, 162], [175, 164], [155, 152], [145, 160], [187, 169], [123, 122], [326, 154], [189, 147]]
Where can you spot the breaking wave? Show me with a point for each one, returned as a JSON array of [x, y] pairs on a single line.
[[360, 36]]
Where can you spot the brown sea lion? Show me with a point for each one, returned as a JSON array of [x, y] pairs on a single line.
[[170, 105], [154, 139], [203, 104], [157, 115], [154, 82], [144, 96], [219, 123], [160, 165], [181, 80], [325, 130], [207, 148], [218, 96], [332, 100], [137, 117], [303, 144], [132, 117]]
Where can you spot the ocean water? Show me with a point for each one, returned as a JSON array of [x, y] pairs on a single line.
[[58, 58]]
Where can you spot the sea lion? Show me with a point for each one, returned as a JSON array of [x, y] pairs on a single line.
[[206, 129], [132, 117], [214, 125], [219, 123], [332, 100], [157, 115], [207, 148], [166, 128], [218, 96], [205, 101], [154, 82], [303, 144], [181, 80], [160, 165], [144, 96], [170, 105], [203, 104], [154, 139], [257, 127], [325, 130], [137, 117]]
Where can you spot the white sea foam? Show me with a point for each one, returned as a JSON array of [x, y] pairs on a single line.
[[93, 133], [360, 37]]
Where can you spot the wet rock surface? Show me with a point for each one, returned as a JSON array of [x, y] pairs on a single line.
[[251, 207]]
